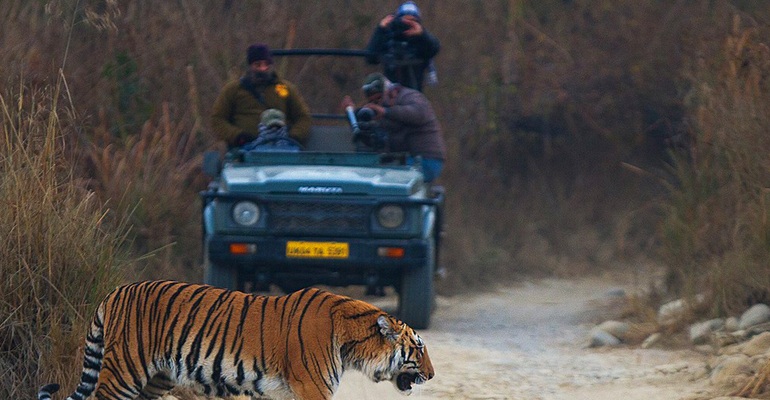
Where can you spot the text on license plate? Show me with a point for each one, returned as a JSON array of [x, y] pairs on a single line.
[[317, 250]]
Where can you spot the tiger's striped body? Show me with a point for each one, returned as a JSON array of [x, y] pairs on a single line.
[[149, 337]]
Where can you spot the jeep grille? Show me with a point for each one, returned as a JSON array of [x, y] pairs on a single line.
[[321, 218]]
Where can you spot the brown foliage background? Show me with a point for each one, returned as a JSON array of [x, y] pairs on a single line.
[[583, 135], [557, 113]]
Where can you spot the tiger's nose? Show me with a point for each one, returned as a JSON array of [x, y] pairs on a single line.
[[430, 375]]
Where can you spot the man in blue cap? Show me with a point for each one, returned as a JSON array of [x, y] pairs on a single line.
[[403, 46]]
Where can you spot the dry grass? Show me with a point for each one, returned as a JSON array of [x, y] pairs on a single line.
[[716, 228], [153, 177], [60, 251]]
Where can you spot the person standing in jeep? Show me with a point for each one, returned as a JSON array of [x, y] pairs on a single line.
[[238, 108], [409, 120], [403, 46]]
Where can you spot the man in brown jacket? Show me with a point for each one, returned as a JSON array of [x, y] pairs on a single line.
[[408, 118], [237, 110]]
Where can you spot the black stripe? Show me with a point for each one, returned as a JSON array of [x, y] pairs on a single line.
[[364, 314], [262, 333]]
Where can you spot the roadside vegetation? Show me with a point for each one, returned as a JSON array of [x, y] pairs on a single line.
[[584, 136], [716, 228], [61, 249]]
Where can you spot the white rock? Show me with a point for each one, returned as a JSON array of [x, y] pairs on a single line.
[[673, 310], [601, 338], [615, 328], [701, 331], [731, 324], [755, 315]]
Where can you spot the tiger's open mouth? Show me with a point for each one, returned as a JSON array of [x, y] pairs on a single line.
[[405, 381]]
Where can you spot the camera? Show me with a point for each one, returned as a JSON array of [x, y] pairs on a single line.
[[369, 136], [365, 114], [398, 26], [365, 117]]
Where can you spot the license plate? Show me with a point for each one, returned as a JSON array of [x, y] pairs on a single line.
[[317, 250]]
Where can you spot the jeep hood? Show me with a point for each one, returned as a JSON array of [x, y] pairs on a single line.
[[321, 179]]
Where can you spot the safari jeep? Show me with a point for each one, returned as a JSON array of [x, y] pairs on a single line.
[[332, 214]]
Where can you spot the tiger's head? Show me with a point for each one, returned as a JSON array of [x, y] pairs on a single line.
[[408, 361]]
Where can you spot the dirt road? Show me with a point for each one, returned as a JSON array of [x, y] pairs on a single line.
[[529, 342]]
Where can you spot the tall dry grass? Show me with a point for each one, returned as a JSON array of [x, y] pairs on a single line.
[[153, 177], [716, 231], [61, 251]]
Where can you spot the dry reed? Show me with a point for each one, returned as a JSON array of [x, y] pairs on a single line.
[[60, 251]]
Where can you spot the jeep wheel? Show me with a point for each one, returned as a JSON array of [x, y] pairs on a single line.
[[216, 275], [416, 297]]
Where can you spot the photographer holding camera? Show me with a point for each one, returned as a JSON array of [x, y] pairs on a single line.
[[404, 47], [407, 118]]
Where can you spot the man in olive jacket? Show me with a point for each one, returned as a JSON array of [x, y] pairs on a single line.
[[238, 109]]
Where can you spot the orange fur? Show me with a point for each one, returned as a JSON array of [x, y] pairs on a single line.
[[149, 337]]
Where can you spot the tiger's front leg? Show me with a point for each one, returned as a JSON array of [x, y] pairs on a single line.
[[313, 390], [159, 385]]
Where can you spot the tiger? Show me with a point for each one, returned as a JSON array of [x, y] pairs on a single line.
[[149, 337]]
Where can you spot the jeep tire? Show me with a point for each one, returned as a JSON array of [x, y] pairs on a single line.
[[417, 296], [222, 276]]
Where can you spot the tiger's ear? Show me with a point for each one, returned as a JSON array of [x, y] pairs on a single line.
[[386, 329]]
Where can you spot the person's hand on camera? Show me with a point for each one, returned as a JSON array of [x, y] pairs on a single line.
[[347, 102], [415, 28], [386, 21]]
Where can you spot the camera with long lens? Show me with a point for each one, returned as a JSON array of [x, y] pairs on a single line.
[[368, 135], [365, 114]]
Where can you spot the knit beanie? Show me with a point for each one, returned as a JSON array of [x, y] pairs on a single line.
[[375, 83], [273, 117], [408, 8], [259, 52]]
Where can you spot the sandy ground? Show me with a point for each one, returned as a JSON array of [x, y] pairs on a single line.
[[529, 342]]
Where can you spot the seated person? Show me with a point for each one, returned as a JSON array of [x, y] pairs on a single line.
[[237, 109], [273, 134]]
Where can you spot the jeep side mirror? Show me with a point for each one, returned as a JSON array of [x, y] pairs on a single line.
[[212, 165]]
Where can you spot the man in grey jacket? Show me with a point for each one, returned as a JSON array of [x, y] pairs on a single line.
[[408, 118]]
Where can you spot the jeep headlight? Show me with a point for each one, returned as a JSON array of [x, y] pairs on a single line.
[[246, 213], [390, 216]]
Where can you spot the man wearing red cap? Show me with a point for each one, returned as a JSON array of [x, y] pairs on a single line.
[[238, 109]]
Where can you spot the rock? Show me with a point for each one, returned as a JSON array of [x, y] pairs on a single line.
[[757, 329], [722, 339], [701, 331], [672, 311], [731, 324], [759, 344], [651, 340], [732, 371], [600, 338], [615, 328], [755, 315]]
